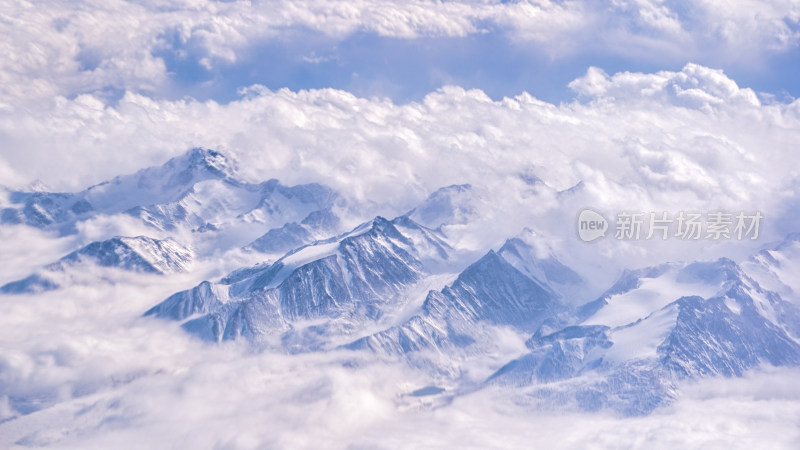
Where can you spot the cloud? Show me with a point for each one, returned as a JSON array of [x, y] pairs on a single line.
[[751, 24], [631, 142], [358, 144], [101, 47], [691, 136], [87, 92], [98, 377], [26, 249], [695, 87]]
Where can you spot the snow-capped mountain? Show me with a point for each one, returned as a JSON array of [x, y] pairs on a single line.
[[150, 186], [654, 327], [534, 257], [317, 292], [317, 225], [200, 191], [776, 267], [401, 289], [451, 205], [138, 254], [490, 292], [503, 296], [371, 289]]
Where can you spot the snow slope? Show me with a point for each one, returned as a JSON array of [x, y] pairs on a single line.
[[654, 327]]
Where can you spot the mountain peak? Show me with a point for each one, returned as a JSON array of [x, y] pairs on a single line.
[[350, 278], [718, 271], [775, 267], [210, 160], [136, 254], [195, 165], [534, 256], [37, 186], [449, 205], [140, 253]]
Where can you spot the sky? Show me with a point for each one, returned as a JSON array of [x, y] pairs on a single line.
[[498, 59], [401, 50], [651, 105], [95, 56]]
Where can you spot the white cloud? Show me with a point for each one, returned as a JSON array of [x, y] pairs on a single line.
[[67, 48], [357, 144], [114, 379], [695, 87], [689, 139], [668, 141], [749, 24]]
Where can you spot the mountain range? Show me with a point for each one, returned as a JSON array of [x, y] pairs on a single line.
[[402, 289], [200, 191]]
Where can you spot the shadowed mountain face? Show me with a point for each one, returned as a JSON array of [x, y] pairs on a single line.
[[489, 292], [345, 282]]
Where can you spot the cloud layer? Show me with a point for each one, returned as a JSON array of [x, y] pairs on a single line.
[[688, 140], [691, 139], [67, 48], [98, 377], [93, 89]]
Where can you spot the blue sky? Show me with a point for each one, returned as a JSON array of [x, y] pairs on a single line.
[[404, 69], [80, 78], [208, 49]]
